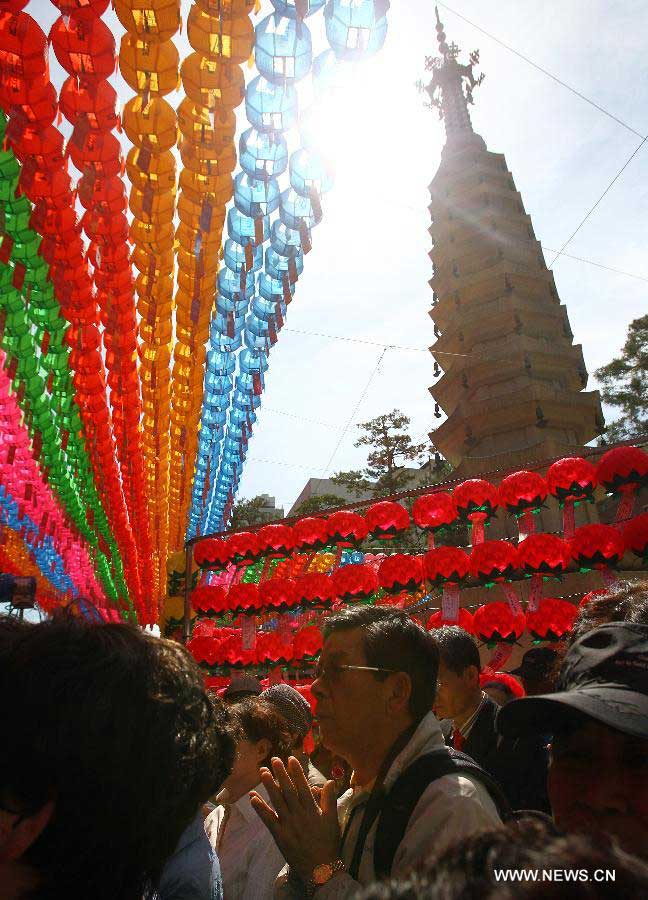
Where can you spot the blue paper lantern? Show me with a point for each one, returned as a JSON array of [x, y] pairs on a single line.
[[232, 286], [244, 229], [235, 258], [285, 241], [277, 266], [307, 173], [295, 210], [255, 197], [271, 107], [283, 49], [263, 154], [296, 9], [356, 29]]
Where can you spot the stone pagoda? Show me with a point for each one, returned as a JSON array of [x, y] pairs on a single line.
[[512, 380]]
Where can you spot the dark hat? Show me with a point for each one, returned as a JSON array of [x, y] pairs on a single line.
[[243, 685], [604, 676], [536, 663], [290, 704]]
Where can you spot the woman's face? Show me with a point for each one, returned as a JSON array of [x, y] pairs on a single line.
[[245, 771]]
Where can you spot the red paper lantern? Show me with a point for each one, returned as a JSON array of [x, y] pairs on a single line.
[[243, 547], [623, 469], [572, 478], [243, 596], [212, 553], [278, 593], [494, 561], [553, 619], [400, 572], [85, 49], [310, 534], [307, 643], [505, 679], [346, 528], [275, 541], [545, 554], [446, 564], [495, 623], [635, 535], [465, 621], [354, 582], [597, 546], [476, 499], [432, 512], [522, 491], [386, 519], [209, 598], [315, 589]]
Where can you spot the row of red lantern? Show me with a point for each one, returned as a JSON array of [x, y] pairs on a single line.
[[222, 39], [149, 63], [226, 646], [592, 547], [492, 623], [30, 100], [621, 469], [495, 622], [85, 47]]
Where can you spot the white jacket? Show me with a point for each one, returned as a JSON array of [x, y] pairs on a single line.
[[450, 808]]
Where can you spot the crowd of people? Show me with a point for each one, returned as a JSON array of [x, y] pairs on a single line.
[[121, 776]]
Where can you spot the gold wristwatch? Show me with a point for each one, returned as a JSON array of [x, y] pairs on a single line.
[[323, 873]]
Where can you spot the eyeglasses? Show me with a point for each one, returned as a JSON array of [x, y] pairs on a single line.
[[332, 672]]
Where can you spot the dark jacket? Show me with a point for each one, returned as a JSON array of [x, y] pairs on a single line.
[[520, 766]]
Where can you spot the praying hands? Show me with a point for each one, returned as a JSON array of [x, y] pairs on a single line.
[[305, 830]]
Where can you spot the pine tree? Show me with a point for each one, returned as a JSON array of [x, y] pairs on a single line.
[[391, 448], [624, 384], [318, 503]]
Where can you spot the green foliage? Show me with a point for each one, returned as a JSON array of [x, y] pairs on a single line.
[[249, 512], [624, 384]]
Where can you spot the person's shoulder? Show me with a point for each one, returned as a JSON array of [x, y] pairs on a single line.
[[460, 791]]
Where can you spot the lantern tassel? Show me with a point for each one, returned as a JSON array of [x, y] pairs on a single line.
[[477, 532], [526, 524], [512, 599], [450, 604], [535, 593], [626, 506], [499, 657], [568, 519], [430, 541], [248, 632]]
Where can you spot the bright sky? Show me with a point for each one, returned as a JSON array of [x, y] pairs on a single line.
[[366, 277]]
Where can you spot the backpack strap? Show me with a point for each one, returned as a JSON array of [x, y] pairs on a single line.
[[398, 805]]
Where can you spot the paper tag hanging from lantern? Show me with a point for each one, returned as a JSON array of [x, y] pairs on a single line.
[[535, 593], [626, 507], [283, 628], [526, 524], [450, 604], [248, 632], [275, 675], [512, 599], [568, 519], [500, 655]]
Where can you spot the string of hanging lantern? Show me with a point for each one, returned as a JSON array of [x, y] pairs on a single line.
[[15, 559], [22, 482], [222, 38], [149, 63], [251, 308], [85, 48], [30, 100], [32, 337]]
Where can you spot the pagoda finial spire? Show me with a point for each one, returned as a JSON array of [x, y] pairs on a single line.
[[452, 84]]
